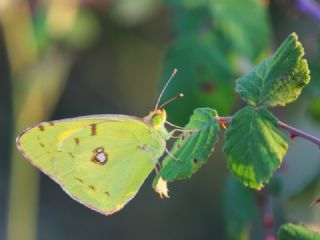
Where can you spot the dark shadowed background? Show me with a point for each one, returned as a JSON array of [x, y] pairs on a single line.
[[62, 59]]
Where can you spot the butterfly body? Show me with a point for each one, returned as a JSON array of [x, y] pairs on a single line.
[[99, 160]]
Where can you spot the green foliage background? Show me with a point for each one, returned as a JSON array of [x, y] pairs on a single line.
[[61, 59]]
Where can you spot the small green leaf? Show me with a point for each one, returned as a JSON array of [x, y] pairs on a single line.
[[254, 146], [291, 231], [279, 79], [239, 209], [192, 149]]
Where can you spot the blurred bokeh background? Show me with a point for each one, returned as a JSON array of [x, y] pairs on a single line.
[[66, 58]]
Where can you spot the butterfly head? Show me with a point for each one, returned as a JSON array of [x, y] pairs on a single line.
[[157, 118]]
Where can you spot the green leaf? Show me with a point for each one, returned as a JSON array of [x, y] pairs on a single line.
[[279, 79], [314, 88], [291, 231], [254, 146], [189, 4], [192, 149], [234, 20], [204, 76], [244, 23], [192, 21], [239, 209], [315, 108]]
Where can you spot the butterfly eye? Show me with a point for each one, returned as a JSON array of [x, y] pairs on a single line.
[[158, 112]]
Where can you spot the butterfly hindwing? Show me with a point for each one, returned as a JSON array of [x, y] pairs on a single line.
[[103, 165]]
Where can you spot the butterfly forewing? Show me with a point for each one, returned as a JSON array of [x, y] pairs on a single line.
[[103, 165], [39, 144]]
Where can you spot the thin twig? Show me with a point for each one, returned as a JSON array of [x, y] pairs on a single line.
[[294, 132]]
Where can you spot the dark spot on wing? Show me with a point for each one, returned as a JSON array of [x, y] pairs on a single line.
[[92, 187], [41, 127], [77, 141], [100, 156], [78, 179], [196, 161], [107, 193], [71, 155], [93, 129], [143, 147], [42, 145]]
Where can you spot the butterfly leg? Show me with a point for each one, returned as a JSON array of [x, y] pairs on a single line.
[[159, 165], [171, 133], [156, 169], [173, 125], [170, 154]]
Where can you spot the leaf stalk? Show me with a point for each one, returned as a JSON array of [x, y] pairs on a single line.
[[294, 132]]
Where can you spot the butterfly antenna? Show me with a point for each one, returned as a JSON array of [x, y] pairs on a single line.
[[165, 87], [180, 95]]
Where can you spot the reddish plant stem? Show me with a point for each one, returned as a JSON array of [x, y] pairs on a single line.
[[294, 132]]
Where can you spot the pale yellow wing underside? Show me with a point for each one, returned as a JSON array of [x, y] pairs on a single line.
[[69, 151]]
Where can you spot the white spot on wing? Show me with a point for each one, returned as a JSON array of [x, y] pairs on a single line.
[[101, 157]]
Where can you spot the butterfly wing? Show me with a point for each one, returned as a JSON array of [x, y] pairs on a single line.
[[101, 163], [38, 144]]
